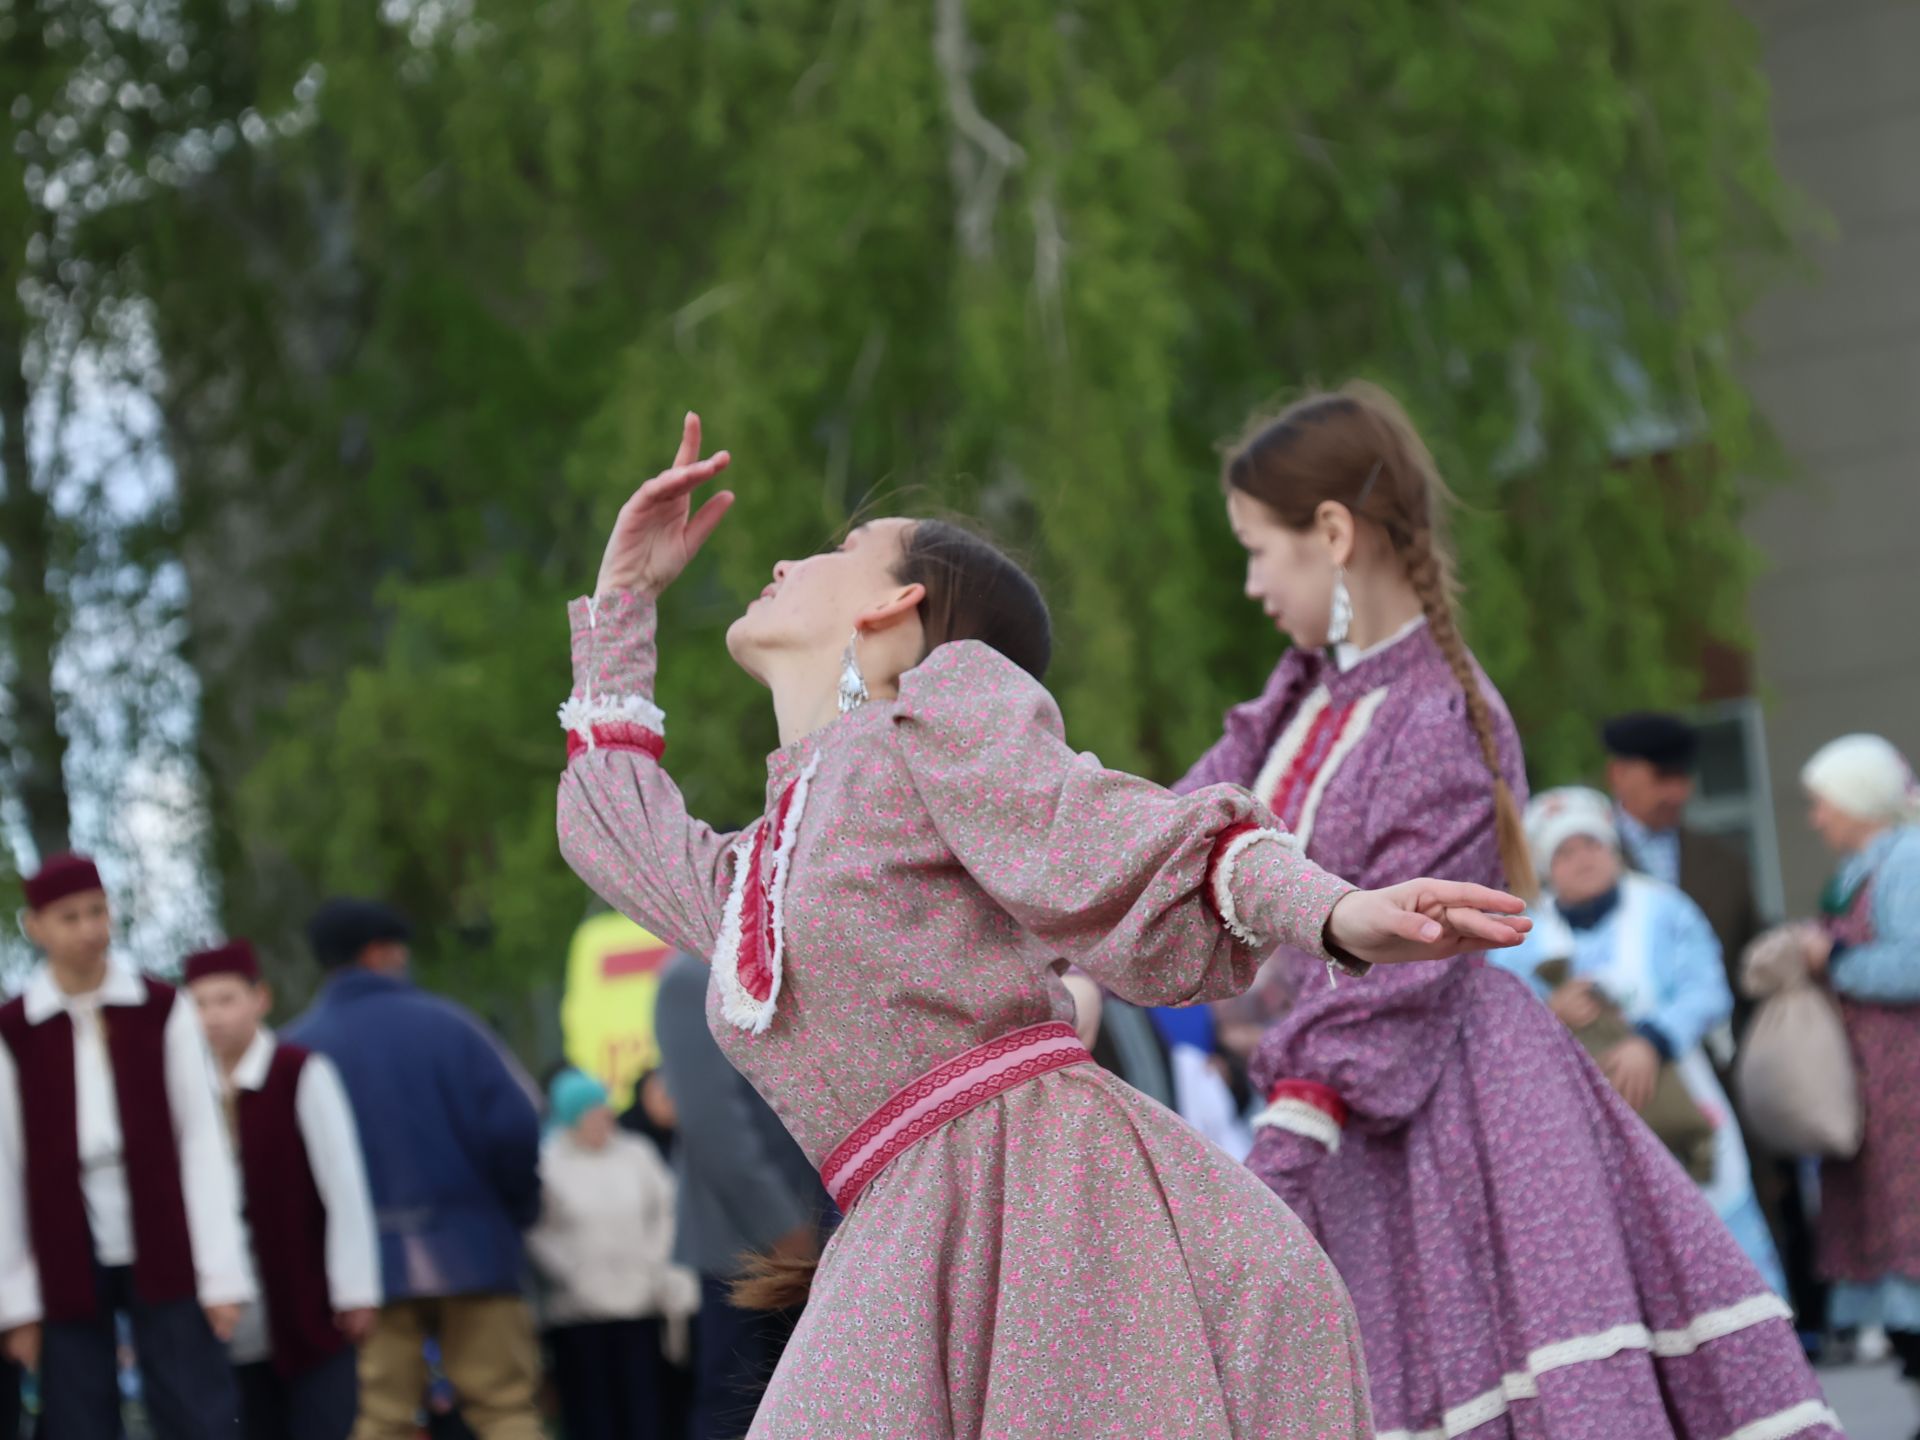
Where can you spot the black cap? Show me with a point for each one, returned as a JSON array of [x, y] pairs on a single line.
[[341, 929], [1666, 742]]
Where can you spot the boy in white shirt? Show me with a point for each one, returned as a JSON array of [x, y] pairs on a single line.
[[117, 1188], [308, 1210]]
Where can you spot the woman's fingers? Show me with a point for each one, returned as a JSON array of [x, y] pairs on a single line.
[[689, 441], [1454, 894], [706, 518], [1498, 931], [683, 479]]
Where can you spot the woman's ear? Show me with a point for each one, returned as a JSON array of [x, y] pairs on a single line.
[[1333, 522], [898, 606]]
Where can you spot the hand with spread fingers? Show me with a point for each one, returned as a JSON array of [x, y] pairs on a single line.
[[1425, 920], [658, 532]]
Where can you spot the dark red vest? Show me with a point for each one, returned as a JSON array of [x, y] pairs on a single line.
[[49, 1110], [288, 1219]]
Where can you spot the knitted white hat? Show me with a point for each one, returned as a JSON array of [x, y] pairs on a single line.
[[1557, 816], [1866, 777]]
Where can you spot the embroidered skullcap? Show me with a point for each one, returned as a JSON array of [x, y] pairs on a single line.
[[572, 1095], [60, 877], [341, 929], [1560, 815], [236, 957], [1865, 776], [1665, 742]]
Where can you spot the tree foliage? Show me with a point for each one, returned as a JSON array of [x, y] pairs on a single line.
[[432, 283]]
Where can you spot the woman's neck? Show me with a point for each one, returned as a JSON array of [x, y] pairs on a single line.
[[1868, 840], [806, 695], [1384, 603]]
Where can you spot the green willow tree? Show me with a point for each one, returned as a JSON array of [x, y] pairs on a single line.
[[428, 325]]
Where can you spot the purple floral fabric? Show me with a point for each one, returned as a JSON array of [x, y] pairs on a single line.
[[1526, 1259]]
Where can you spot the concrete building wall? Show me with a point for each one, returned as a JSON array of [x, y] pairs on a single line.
[[1837, 372]]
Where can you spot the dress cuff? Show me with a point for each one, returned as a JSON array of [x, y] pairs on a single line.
[[613, 644], [1266, 893], [1305, 1108], [611, 707]]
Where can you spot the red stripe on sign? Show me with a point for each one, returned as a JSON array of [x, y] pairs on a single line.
[[624, 963]]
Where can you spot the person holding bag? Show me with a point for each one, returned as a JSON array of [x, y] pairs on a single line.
[[1865, 804]]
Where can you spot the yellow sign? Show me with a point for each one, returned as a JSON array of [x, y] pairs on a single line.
[[606, 1016]]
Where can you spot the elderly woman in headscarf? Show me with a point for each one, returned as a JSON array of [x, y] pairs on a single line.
[[1864, 804], [1636, 945]]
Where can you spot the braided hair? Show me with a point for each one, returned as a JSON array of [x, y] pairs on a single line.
[[1355, 446]]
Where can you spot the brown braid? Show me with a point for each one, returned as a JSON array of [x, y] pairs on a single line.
[[1433, 582], [1356, 447]]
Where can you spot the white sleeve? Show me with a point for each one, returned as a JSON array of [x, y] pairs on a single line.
[[19, 1276], [340, 1173], [208, 1178]]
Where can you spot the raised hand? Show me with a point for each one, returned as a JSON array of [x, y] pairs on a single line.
[[1426, 920], [655, 536]]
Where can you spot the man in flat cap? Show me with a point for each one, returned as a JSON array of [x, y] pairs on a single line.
[[1650, 770], [1650, 774]]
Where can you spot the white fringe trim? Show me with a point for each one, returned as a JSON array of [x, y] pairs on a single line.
[[1300, 1118], [1604, 1345], [581, 713], [1351, 734], [735, 1003], [1223, 881], [738, 1005]]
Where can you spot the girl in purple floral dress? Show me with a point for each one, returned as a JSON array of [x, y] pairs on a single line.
[[1029, 1248], [1526, 1259]]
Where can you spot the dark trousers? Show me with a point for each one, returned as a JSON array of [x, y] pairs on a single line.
[[9, 1400], [734, 1355], [316, 1404], [607, 1374], [184, 1376]]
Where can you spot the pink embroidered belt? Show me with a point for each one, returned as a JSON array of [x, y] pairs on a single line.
[[945, 1093]]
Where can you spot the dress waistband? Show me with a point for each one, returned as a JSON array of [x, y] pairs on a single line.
[[945, 1093]]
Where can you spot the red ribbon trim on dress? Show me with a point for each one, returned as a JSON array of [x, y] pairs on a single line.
[[1323, 1098], [943, 1094], [755, 965], [1219, 852], [1307, 761], [617, 735]]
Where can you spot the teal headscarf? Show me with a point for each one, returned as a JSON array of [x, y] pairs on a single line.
[[572, 1095]]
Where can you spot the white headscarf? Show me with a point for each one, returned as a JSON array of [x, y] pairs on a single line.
[[1866, 777], [1557, 816]]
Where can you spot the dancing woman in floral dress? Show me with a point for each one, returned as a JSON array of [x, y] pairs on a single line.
[[1527, 1261], [1029, 1247]]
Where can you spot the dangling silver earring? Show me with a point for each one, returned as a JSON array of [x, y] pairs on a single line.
[[1340, 617], [853, 685]]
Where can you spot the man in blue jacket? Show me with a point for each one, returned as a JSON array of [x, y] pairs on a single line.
[[452, 1139]]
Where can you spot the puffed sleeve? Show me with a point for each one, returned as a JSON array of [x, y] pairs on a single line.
[[1369, 1055], [1162, 898], [624, 827]]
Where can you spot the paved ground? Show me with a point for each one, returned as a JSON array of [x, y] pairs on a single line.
[[1872, 1402]]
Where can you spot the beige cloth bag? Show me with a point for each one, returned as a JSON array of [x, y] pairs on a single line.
[[1794, 1074]]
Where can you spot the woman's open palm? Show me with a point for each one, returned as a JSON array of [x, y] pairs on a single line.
[[656, 535]]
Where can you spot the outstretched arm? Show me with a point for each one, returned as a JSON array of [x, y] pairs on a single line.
[[1163, 898], [624, 827]]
